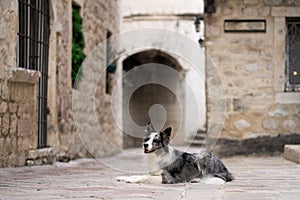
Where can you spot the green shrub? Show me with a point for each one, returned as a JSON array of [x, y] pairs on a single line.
[[77, 45]]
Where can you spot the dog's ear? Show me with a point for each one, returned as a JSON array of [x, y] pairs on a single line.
[[166, 134], [149, 129]]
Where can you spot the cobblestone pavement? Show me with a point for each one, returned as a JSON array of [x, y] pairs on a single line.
[[256, 178]]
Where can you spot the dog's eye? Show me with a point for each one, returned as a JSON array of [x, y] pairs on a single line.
[[155, 140], [145, 140]]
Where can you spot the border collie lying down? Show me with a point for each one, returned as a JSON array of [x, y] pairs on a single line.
[[178, 166]]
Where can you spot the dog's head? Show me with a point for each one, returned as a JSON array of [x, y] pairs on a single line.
[[155, 140]]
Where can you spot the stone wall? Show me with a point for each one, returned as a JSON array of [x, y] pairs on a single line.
[[98, 17], [61, 134], [100, 135], [18, 87], [177, 16], [8, 32], [18, 120], [252, 69]]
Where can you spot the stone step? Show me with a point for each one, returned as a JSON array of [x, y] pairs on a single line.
[[196, 142], [292, 153], [199, 138]]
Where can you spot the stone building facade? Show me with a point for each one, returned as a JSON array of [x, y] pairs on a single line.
[[18, 117], [246, 41], [171, 16]]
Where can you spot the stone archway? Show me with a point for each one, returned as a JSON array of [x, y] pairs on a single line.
[[150, 94]]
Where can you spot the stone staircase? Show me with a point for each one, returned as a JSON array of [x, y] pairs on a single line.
[[199, 139]]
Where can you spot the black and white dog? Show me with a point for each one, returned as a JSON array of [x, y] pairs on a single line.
[[178, 166]]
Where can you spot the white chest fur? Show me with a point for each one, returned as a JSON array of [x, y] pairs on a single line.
[[165, 157]]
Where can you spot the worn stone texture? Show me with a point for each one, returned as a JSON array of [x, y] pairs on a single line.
[[18, 86], [100, 19], [251, 66], [17, 115], [8, 32], [256, 178], [292, 153]]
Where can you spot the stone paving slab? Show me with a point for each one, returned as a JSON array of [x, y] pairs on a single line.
[[256, 178]]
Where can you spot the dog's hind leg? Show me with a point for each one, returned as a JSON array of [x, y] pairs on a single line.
[[225, 176]]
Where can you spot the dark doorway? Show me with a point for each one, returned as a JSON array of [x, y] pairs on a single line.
[[150, 94]]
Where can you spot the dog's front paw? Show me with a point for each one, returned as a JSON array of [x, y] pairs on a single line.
[[196, 180], [167, 182], [133, 179], [155, 173]]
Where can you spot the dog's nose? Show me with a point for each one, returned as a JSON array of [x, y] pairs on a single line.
[[146, 145]]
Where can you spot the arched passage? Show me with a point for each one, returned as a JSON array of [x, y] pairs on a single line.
[[150, 94]]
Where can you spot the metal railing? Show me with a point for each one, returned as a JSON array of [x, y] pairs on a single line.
[[33, 50], [293, 55]]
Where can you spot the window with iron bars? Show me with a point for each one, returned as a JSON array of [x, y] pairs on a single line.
[[33, 53], [293, 55]]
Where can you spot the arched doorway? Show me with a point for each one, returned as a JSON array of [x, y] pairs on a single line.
[[151, 94]]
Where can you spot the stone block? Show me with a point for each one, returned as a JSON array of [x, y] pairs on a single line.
[[5, 92], [238, 105], [24, 128], [32, 154], [264, 11], [241, 124], [13, 107], [251, 67], [21, 159], [278, 112], [30, 162], [272, 2], [249, 11], [45, 152], [3, 107], [250, 2], [25, 76], [38, 161], [13, 124], [297, 111], [289, 124], [5, 124], [292, 153], [270, 124], [213, 31], [12, 158]]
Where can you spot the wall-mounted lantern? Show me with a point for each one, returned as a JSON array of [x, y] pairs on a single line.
[[201, 42], [111, 68], [197, 23]]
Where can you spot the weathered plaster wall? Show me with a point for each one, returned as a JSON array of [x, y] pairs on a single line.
[[252, 66]]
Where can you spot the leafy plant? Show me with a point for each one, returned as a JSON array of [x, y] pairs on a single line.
[[77, 45]]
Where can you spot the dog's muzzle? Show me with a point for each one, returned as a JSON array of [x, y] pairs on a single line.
[[147, 150]]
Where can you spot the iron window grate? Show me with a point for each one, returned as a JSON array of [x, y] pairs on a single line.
[[33, 50], [293, 55]]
